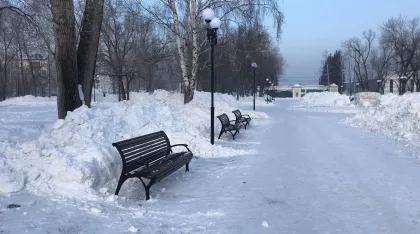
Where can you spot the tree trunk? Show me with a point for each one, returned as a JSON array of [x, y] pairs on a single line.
[[195, 52], [31, 69], [88, 46], [188, 95], [122, 89], [4, 87], [1, 82], [128, 87], [66, 57], [22, 74]]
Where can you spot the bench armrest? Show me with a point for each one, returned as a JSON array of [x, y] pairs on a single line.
[[245, 115], [232, 121], [185, 145]]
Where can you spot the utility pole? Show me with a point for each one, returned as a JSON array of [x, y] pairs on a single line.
[[328, 72]]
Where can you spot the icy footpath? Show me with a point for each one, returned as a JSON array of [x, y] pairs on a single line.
[[396, 117], [74, 157]]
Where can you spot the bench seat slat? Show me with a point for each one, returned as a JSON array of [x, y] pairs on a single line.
[[139, 151], [143, 143]]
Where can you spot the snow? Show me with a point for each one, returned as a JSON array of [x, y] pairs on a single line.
[[132, 229], [74, 157], [395, 117], [208, 14], [317, 176], [367, 99], [324, 99], [29, 100], [325, 102]]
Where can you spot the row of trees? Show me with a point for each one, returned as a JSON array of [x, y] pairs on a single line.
[[332, 70], [140, 45], [394, 52]]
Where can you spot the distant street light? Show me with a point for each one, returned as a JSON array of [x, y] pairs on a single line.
[[95, 82], [379, 85], [254, 67]]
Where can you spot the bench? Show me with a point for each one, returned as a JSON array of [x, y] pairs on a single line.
[[150, 157], [227, 126], [241, 119]]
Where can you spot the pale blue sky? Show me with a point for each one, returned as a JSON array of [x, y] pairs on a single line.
[[312, 26]]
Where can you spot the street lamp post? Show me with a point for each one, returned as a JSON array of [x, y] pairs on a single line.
[[254, 67], [267, 84], [213, 24], [266, 89], [95, 82], [379, 86], [403, 84]]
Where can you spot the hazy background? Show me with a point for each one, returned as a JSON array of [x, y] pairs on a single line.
[[313, 26]]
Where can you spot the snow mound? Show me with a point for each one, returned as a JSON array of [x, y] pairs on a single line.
[[29, 100], [367, 99], [74, 157], [324, 99], [395, 116]]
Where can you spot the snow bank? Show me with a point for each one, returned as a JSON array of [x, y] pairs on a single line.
[[74, 157], [29, 100], [367, 99], [396, 117], [324, 99]]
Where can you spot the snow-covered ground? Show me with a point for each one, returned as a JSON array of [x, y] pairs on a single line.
[[396, 117], [301, 172], [325, 102]]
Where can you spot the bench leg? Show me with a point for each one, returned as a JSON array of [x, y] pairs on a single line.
[[234, 134], [221, 132], [120, 183], [187, 168], [147, 187], [147, 193]]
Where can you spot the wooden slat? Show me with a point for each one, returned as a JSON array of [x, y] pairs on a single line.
[[150, 147]]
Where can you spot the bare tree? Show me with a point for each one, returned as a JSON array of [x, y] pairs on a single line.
[[186, 28], [70, 59], [381, 62], [403, 35], [87, 49], [359, 49]]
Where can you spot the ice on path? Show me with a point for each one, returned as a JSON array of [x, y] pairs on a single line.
[[132, 229], [265, 224]]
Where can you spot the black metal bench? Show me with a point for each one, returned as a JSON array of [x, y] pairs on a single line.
[[241, 119], [150, 157], [227, 126]]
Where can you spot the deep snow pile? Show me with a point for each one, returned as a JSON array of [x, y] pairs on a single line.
[[74, 157], [396, 117], [324, 99]]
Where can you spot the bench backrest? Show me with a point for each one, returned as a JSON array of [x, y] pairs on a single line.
[[237, 114], [142, 150], [224, 120]]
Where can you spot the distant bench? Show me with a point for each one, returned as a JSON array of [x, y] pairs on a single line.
[[242, 119], [228, 126], [150, 157], [233, 126]]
